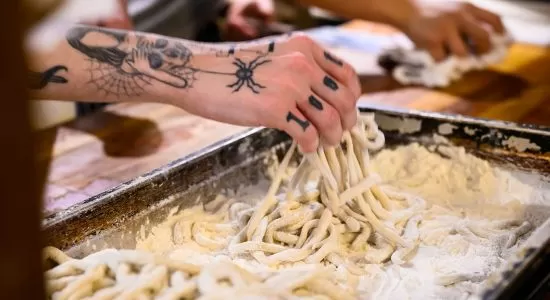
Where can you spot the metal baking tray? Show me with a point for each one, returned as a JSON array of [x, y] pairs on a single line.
[[116, 217]]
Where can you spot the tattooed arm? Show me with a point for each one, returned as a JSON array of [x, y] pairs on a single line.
[[288, 83]]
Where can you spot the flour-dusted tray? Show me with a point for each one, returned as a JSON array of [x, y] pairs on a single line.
[[116, 217]]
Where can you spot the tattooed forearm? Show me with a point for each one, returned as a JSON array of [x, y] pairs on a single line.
[[39, 80], [126, 63], [302, 123]]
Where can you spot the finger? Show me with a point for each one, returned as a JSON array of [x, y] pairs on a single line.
[[456, 45], [438, 51], [324, 117], [478, 35], [488, 17], [338, 69], [300, 129], [338, 96]]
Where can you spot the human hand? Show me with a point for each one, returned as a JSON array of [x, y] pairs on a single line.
[[245, 17], [444, 28], [291, 84]]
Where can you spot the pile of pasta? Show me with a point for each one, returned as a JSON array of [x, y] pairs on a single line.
[[344, 217], [332, 212], [132, 274]]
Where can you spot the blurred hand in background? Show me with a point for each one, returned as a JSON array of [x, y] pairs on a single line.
[[448, 27], [246, 18], [120, 20]]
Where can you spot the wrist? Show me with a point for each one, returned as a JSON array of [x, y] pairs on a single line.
[[200, 84]]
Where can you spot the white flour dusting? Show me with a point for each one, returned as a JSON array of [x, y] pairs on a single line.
[[476, 215]]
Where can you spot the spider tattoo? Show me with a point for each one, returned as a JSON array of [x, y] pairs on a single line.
[[245, 74]]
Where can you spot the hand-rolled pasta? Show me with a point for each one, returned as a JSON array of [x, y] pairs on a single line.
[[134, 274], [347, 192], [331, 214]]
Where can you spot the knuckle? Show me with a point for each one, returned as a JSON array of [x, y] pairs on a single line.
[[302, 38], [291, 90], [300, 62]]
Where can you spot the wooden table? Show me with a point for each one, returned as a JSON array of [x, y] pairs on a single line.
[[98, 152]]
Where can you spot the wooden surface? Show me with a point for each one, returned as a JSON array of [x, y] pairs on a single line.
[[98, 152]]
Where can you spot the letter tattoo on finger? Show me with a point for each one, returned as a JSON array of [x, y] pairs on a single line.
[[333, 59], [315, 102], [330, 83], [302, 123]]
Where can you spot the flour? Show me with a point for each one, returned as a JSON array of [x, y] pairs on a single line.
[[474, 218]]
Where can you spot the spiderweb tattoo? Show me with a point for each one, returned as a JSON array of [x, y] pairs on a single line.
[[111, 81]]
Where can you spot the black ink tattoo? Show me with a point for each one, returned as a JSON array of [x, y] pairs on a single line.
[[302, 123], [330, 83], [315, 103], [245, 74], [333, 59], [39, 80], [129, 62], [271, 46], [122, 70]]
